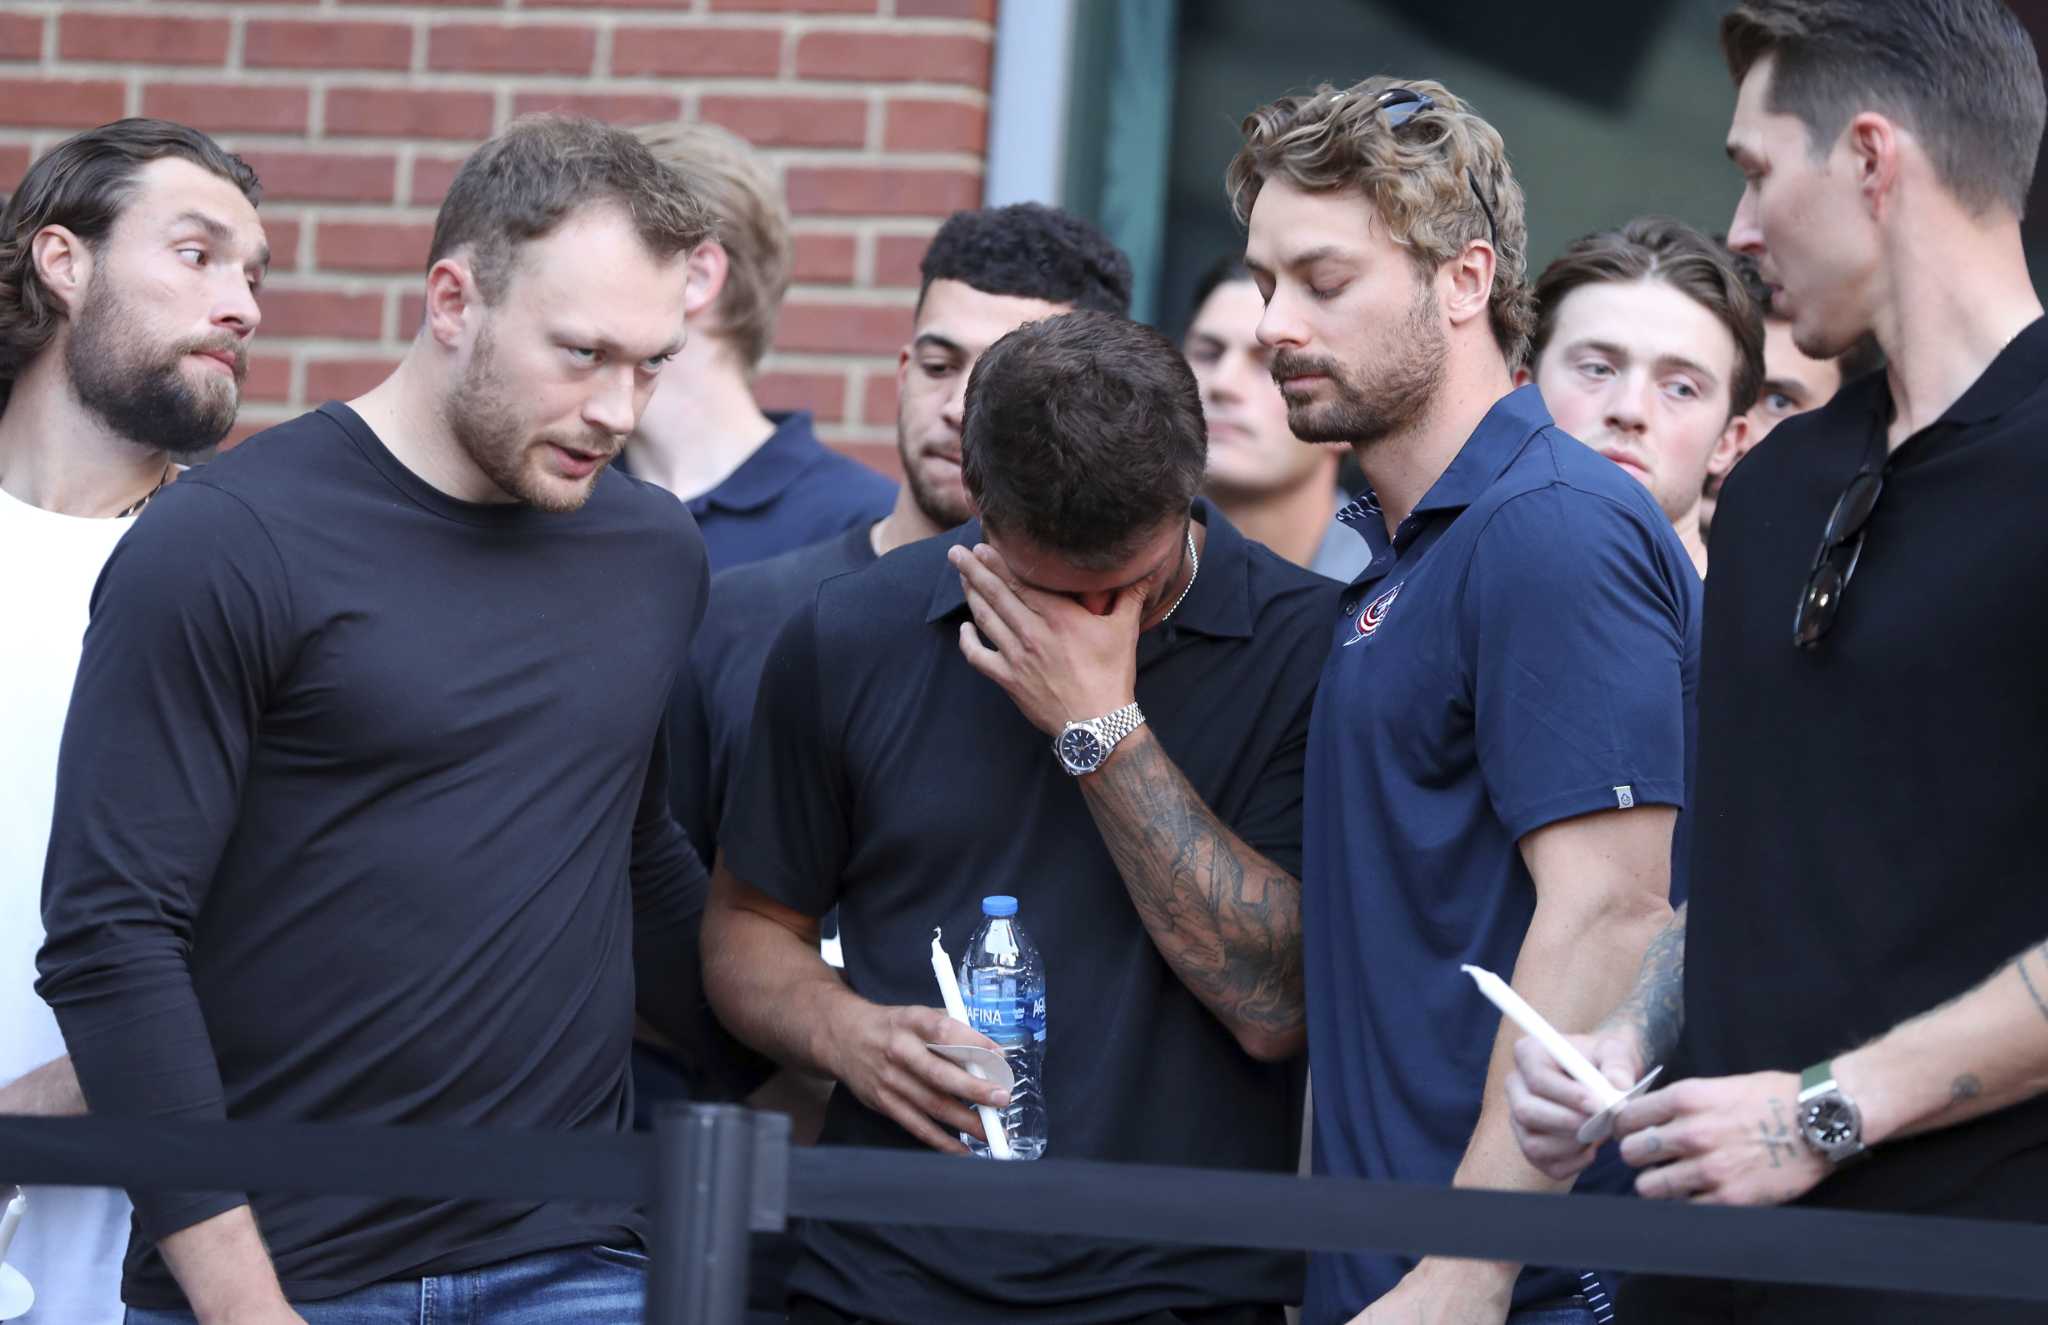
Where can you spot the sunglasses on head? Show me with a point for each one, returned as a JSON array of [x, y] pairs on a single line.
[[1402, 104]]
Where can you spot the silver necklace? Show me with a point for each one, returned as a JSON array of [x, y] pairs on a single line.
[[1196, 558]]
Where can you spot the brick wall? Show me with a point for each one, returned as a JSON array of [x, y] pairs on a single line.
[[356, 113]]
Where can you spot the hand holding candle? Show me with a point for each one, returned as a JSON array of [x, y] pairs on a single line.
[[956, 1008], [1609, 1097]]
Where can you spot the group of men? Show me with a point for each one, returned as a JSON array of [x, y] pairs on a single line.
[[419, 767]]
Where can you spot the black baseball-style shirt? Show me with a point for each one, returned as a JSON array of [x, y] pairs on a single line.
[[888, 777], [360, 811], [1868, 842]]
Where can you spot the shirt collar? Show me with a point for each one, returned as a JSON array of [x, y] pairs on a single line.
[[2010, 378], [1487, 453], [770, 471], [1219, 602]]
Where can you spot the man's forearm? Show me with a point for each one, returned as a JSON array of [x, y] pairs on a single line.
[[51, 1091], [1981, 1052], [1654, 1011], [769, 985], [1227, 920], [224, 1270]]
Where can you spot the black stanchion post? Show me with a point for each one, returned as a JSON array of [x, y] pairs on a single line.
[[705, 1206]]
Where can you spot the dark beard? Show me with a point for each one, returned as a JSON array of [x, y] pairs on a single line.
[[1399, 393], [941, 508], [491, 431], [142, 394]]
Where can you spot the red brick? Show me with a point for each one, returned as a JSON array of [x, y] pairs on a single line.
[[934, 126], [878, 400], [283, 233], [868, 191], [842, 328], [898, 258], [612, 107], [893, 57], [270, 378], [499, 48], [344, 379], [21, 37], [379, 246], [143, 39], [672, 6], [985, 10], [824, 259], [797, 6], [60, 102], [431, 177], [323, 176], [325, 313], [878, 456], [14, 159], [696, 52], [227, 107], [823, 394], [268, 43], [387, 113], [790, 121]]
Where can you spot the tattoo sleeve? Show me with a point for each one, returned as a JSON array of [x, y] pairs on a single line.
[[1227, 920], [1655, 1008]]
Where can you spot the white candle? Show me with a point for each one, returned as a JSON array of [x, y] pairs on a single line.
[[949, 990], [10, 1219], [1502, 995]]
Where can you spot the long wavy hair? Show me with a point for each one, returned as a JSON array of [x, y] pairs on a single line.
[[83, 184]]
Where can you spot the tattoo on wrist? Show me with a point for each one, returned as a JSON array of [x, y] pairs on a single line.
[[1965, 1087], [1779, 1142]]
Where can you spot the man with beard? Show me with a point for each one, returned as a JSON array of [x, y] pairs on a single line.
[[1649, 349], [361, 812], [1100, 710], [1500, 736], [129, 262]]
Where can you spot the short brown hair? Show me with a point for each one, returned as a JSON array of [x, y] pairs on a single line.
[[750, 221], [1661, 249], [84, 184], [1422, 180], [524, 183], [1082, 432], [1961, 74]]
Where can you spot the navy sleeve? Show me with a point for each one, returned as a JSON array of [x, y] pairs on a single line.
[[785, 830], [1574, 624], [191, 626]]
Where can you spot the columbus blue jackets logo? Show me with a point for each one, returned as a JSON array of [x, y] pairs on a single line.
[[1375, 613]]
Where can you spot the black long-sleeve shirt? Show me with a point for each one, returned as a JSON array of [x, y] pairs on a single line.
[[361, 808]]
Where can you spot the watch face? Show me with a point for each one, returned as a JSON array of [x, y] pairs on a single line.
[[1830, 1123], [1080, 748]]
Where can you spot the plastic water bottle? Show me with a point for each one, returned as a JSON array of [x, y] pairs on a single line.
[[1002, 982]]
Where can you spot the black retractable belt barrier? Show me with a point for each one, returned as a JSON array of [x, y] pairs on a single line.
[[715, 1171]]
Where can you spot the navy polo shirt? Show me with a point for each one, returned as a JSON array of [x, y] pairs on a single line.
[[1524, 649], [886, 776], [792, 492]]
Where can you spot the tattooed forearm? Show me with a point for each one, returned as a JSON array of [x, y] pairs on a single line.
[[1225, 918], [2033, 990], [1655, 1008]]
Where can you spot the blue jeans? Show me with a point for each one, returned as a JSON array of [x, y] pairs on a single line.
[[578, 1286]]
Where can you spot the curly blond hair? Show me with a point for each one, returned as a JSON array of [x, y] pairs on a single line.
[[1431, 181]]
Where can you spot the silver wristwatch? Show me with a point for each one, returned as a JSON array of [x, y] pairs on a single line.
[[1829, 1120], [1082, 746]]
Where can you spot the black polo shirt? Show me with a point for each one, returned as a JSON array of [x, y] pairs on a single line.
[[886, 776], [1869, 838]]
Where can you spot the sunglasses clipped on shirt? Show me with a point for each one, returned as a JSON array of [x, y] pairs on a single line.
[[1834, 565], [1402, 104]]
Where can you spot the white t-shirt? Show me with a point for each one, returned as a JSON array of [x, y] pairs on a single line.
[[71, 1239]]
